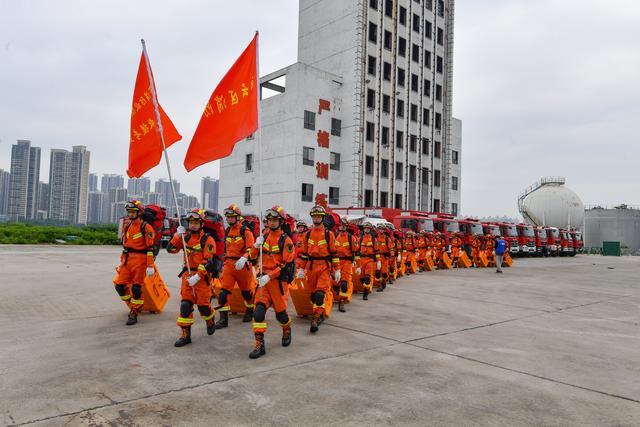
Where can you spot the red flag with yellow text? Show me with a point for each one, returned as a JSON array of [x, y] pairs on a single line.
[[145, 149], [231, 113]]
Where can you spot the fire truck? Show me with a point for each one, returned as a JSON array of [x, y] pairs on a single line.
[[566, 243], [526, 239], [510, 234], [541, 241], [470, 227], [578, 244], [401, 220], [553, 241]]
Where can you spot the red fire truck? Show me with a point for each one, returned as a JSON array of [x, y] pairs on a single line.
[[553, 241], [541, 241], [526, 239], [470, 227], [566, 243], [578, 244]]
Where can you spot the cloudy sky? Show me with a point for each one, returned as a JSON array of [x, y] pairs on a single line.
[[544, 87]]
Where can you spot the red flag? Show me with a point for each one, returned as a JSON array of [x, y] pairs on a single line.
[[145, 149], [231, 113]]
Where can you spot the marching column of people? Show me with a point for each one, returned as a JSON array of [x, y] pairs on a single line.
[[263, 268]]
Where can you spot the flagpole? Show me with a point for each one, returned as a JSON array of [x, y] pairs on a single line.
[[164, 147], [259, 139]]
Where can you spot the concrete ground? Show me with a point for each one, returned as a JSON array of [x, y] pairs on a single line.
[[549, 342]]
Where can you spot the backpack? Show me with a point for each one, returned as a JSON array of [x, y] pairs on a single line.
[[212, 226], [287, 272], [252, 223], [154, 215], [331, 221]]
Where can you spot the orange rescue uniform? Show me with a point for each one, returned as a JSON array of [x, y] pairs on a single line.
[[137, 255]]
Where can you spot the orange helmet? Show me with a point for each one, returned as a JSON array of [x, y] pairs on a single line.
[[276, 211], [232, 210]]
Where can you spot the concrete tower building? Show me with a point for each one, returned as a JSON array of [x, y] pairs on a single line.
[[69, 185], [23, 182], [209, 193], [363, 118]]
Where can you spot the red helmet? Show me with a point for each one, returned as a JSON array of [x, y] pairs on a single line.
[[232, 210], [134, 205], [318, 210], [195, 214], [276, 212]]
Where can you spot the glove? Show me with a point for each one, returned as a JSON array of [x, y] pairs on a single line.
[[358, 271], [181, 230], [300, 274], [241, 263], [378, 265], [150, 271], [399, 258], [263, 280], [192, 280], [259, 242], [336, 275]]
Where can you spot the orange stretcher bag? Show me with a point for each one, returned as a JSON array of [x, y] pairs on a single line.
[[236, 302], [154, 293], [463, 260], [508, 261], [302, 300], [446, 261]]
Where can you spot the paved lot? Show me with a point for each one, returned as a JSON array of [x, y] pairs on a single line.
[[550, 342]]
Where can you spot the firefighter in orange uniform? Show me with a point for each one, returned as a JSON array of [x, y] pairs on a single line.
[[439, 247], [456, 247], [237, 268], [136, 261], [476, 246], [301, 229], [384, 249], [369, 258], [489, 244], [278, 266], [196, 286], [347, 251], [411, 248], [421, 243], [393, 252], [319, 246]]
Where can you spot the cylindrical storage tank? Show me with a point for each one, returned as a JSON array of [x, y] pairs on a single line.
[[616, 225], [554, 205]]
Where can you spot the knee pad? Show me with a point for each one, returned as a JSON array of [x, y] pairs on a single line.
[[247, 295], [186, 308], [136, 291], [365, 279], [318, 297], [204, 310], [259, 312], [121, 290], [282, 317], [222, 298], [344, 287]]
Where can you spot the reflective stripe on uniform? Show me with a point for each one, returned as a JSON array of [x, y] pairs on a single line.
[[224, 308], [318, 306], [344, 294], [137, 236], [149, 253], [246, 304], [209, 317], [202, 268], [137, 301], [185, 320], [125, 297], [260, 325]]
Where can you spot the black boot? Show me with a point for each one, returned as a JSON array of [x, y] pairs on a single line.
[[341, 306], [248, 316], [133, 317], [365, 294], [286, 336], [185, 338], [224, 320], [211, 326], [259, 346], [382, 286], [315, 323]]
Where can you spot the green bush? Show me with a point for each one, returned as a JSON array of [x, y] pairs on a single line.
[[25, 234]]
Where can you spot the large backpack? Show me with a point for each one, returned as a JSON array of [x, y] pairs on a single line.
[[154, 215], [214, 227], [251, 223]]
